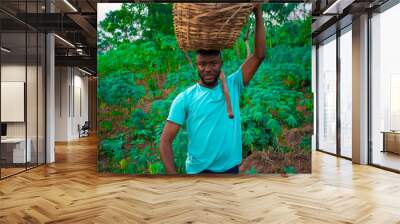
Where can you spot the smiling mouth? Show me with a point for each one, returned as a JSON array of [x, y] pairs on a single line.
[[209, 77]]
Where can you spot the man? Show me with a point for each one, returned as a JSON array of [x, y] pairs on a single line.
[[215, 141]]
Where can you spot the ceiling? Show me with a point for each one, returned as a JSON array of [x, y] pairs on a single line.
[[74, 22], [331, 15]]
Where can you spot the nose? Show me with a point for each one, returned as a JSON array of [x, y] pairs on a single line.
[[207, 68]]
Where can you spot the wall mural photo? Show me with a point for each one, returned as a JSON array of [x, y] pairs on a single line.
[[210, 88]]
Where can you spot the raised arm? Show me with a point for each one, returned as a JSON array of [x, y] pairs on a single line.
[[166, 153], [252, 63]]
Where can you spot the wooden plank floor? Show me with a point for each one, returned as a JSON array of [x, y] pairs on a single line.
[[10, 171], [70, 191]]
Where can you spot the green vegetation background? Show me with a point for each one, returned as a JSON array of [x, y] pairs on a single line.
[[141, 70]]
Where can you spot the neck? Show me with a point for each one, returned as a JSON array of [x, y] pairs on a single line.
[[210, 86]]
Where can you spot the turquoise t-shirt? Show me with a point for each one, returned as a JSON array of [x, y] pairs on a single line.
[[215, 141]]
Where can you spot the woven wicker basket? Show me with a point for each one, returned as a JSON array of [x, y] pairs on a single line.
[[209, 25]]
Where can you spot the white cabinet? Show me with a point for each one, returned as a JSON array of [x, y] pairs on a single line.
[[18, 152]]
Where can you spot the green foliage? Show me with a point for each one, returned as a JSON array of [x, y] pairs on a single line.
[[289, 170], [251, 171], [141, 70], [140, 21], [143, 161], [119, 88], [105, 126], [112, 150], [157, 168], [305, 143]]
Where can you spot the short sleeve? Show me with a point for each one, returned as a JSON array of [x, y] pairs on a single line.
[[177, 112], [237, 79]]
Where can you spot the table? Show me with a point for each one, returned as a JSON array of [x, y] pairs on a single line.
[[391, 141]]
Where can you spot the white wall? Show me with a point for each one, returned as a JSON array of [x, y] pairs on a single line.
[[71, 94], [61, 103], [13, 72]]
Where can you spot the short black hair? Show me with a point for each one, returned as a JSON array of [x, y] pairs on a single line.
[[209, 52]]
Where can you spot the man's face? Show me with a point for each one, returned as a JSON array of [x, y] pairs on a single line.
[[209, 67]]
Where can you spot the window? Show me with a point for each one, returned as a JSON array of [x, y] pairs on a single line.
[[346, 92], [23, 85], [385, 88], [327, 96]]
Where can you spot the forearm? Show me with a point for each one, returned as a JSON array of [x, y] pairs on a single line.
[[259, 37], [167, 156]]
